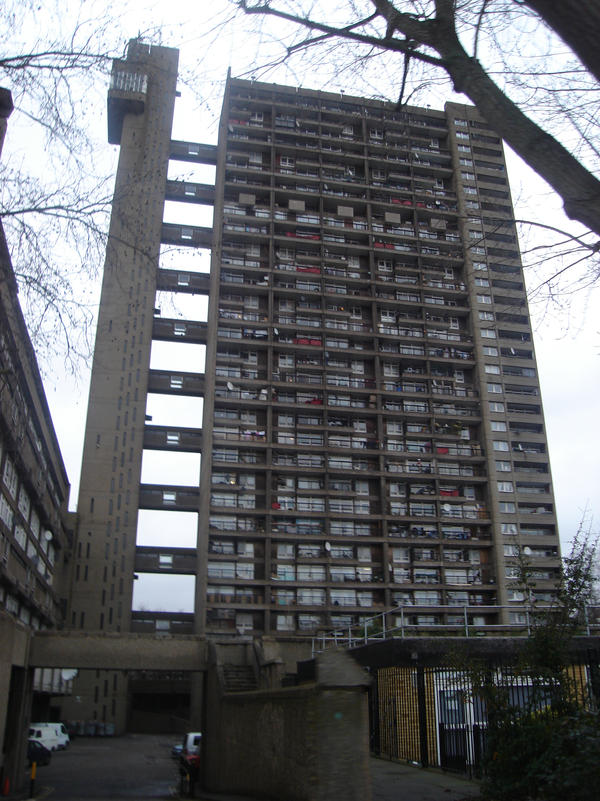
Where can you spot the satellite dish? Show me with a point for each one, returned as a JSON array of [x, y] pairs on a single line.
[[446, 507], [276, 331], [527, 550], [48, 535], [67, 674], [327, 546], [230, 386]]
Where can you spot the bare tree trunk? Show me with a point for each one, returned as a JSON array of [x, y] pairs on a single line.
[[577, 22]]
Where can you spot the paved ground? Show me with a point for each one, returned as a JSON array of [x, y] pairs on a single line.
[[393, 781], [140, 766], [119, 769]]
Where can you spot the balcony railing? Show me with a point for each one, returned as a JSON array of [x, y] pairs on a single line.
[[399, 623]]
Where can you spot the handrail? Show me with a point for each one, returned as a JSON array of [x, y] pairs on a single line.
[[379, 627]]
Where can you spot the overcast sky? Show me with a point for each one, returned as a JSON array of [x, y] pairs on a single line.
[[567, 341]]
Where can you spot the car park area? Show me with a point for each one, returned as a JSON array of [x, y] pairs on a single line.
[[116, 768]]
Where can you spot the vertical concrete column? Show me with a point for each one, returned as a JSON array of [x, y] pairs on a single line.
[[342, 722], [5, 670], [197, 702], [17, 719]]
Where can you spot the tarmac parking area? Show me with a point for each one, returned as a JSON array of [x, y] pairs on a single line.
[[140, 766]]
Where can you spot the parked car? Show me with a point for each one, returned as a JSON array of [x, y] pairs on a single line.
[[190, 751], [38, 753], [189, 761], [52, 735], [176, 751]]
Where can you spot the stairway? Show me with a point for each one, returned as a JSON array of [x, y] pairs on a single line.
[[239, 678]]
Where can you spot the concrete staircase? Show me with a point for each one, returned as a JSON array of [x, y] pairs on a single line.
[[239, 678]]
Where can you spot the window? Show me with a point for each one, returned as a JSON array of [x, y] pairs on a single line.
[[485, 315], [510, 529], [493, 369], [456, 576], [285, 551], [20, 536], [311, 572], [309, 597], [494, 388], [487, 333], [503, 467], [484, 299], [505, 486], [498, 425], [489, 350], [10, 477], [24, 503], [285, 623], [500, 445], [496, 406], [285, 572], [507, 508]]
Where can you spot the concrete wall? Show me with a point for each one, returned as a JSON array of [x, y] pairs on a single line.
[[307, 743], [16, 681]]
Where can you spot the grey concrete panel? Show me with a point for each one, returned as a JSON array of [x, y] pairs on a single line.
[[116, 651]]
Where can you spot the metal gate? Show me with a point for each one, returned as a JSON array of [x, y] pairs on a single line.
[[435, 715]]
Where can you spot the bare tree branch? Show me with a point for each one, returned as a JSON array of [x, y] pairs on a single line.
[[434, 28]]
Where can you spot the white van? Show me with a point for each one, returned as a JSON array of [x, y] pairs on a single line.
[[52, 735]]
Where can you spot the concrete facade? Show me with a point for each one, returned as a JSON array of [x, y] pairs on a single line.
[[141, 100], [35, 536], [372, 433]]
